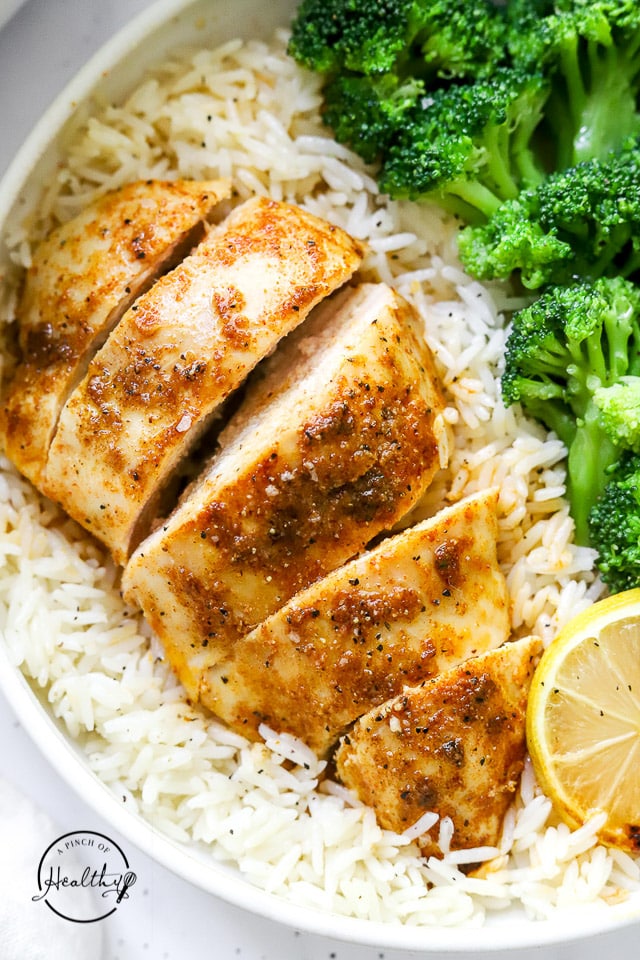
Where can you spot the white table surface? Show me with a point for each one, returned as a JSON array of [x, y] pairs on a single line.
[[166, 918]]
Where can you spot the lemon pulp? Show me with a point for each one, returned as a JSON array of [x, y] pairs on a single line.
[[583, 719]]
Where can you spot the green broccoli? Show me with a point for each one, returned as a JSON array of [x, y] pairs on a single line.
[[614, 525], [582, 222], [469, 147], [619, 407], [463, 39], [591, 51], [523, 15], [395, 70], [367, 112], [366, 37], [449, 38], [568, 344], [407, 81]]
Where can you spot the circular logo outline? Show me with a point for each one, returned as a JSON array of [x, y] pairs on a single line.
[[74, 833]]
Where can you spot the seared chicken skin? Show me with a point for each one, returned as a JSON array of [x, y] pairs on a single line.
[[419, 603], [334, 443], [83, 278], [178, 352], [454, 745]]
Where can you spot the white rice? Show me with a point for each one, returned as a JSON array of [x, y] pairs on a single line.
[[246, 111]]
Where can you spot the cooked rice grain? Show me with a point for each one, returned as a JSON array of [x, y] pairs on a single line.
[[246, 111]]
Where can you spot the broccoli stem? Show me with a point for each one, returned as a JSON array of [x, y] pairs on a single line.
[[497, 143], [618, 362], [608, 115], [602, 267], [555, 417], [476, 202], [600, 97], [523, 157], [595, 364], [575, 99], [526, 166], [620, 255], [590, 455]]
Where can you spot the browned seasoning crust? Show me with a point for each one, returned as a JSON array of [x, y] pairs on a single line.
[[417, 604], [281, 507], [179, 352], [82, 279], [454, 745], [336, 443]]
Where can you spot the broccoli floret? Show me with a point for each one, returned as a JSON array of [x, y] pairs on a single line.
[[582, 222], [614, 525], [408, 82], [469, 147], [464, 39], [450, 38], [619, 407], [591, 50], [367, 112], [522, 15], [366, 36], [379, 58], [569, 343]]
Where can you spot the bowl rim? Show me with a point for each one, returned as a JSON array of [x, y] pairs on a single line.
[[64, 755]]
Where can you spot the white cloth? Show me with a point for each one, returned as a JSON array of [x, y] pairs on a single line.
[[29, 930]]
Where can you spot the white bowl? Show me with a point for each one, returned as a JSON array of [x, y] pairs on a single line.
[[116, 69], [8, 8]]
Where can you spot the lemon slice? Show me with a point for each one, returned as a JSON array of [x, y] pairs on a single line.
[[583, 719]]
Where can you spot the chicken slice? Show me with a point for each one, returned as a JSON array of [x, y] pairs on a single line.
[[178, 352], [454, 745], [422, 601], [83, 278], [334, 443]]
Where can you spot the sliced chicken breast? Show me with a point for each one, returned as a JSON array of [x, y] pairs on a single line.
[[454, 745], [178, 353], [334, 443], [419, 603], [83, 278]]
